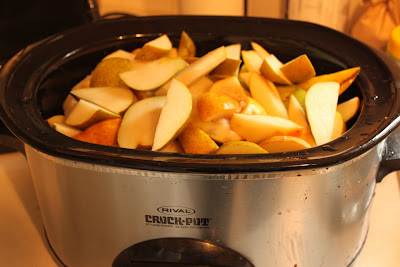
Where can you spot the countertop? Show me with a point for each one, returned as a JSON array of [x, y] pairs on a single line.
[[23, 242]]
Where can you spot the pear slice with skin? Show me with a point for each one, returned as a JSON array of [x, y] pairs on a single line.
[[120, 53], [298, 70], [106, 73], [212, 106], [196, 141], [231, 87], [69, 104], [201, 86], [66, 129], [297, 115], [86, 114], [252, 107], [277, 144], [196, 70], [174, 115], [321, 102], [271, 69], [55, 119], [251, 60], [240, 147], [260, 50], [154, 74], [257, 128], [233, 51], [114, 99], [139, 123], [155, 49], [228, 68], [187, 47], [349, 108], [102, 133], [264, 92], [339, 126]]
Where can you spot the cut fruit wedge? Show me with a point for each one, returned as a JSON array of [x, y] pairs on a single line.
[[106, 73], [257, 128], [339, 126], [251, 60], [298, 70], [114, 99], [298, 116], [277, 144], [212, 106], [154, 74], [233, 51], [201, 86], [174, 115], [240, 147], [187, 47], [197, 69], [101, 133], [120, 54], [139, 123], [155, 49], [55, 119], [264, 92], [86, 114], [196, 141], [260, 50], [252, 107], [228, 68], [230, 87], [173, 147], [271, 69], [321, 102], [349, 108], [66, 129]]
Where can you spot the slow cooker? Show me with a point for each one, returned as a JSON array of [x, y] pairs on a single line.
[[109, 206]]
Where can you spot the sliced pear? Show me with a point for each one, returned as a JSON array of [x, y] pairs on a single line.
[[196, 141], [86, 114], [69, 104], [321, 102], [252, 107], [143, 94], [344, 77], [265, 93], [277, 144], [260, 50], [233, 51], [173, 53], [198, 69], [114, 99], [231, 87], [66, 129], [228, 68], [349, 108], [201, 86], [212, 106], [155, 49], [271, 69], [84, 83], [257, 128], [240, 147], [244, 78], [55, 119], [154, 74], [297, 115], [251, 60], [173, 147], [339, 126], [299, 69], [120, 53], [106, 73], [139, 123], [174, 115], [101, 133], [285, 91], [187, 47]]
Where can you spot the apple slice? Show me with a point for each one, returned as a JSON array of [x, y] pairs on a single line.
[[260, 50], [231, 87], [265, 93], [139, 123], [271, 69], [339, 126], [114, 99], [55, 119], [197, 69], [86, 114], [298, 116], [252, 107], [349, 108], [101, 133], [196, 141], [240, 147], [66, 129], [174, 115], [187, 47], [212, 106], [106, 73], [251, 60], [321, 102], [155, 49], [228, 68], [120, 53], [233, 51], [201, 86], [257, 128], [344, 77], [299, 69], [154, 74], [277, 144]]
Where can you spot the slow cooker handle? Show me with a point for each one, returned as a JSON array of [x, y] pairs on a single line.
[[391, 159]]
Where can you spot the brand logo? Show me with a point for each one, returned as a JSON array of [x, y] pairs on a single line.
[[177, 211]]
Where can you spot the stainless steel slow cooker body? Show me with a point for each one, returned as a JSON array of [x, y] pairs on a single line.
[[105, 206]]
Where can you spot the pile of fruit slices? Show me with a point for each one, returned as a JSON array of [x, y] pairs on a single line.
[[228, 101]]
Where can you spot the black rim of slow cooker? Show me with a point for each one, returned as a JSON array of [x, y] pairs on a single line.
[[26, 74]]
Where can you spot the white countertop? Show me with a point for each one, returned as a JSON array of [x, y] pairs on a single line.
[[22, 240]]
